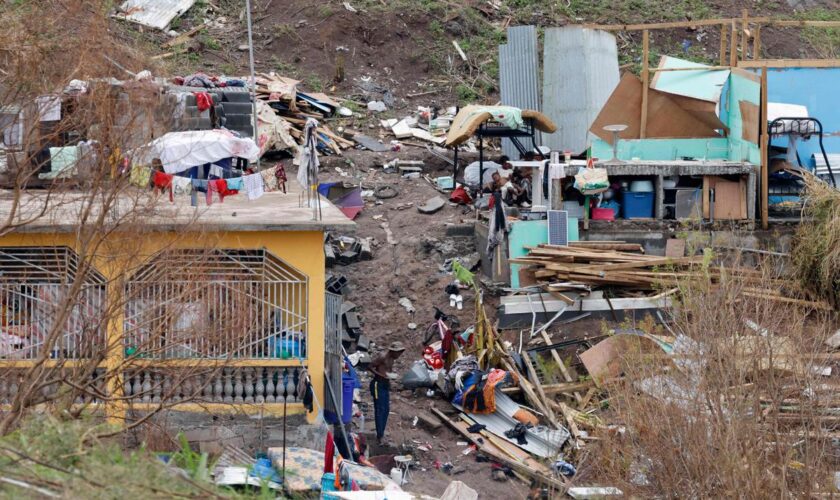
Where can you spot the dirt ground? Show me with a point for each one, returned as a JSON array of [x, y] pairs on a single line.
[[412, 268]]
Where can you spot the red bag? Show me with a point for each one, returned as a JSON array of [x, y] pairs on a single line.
[[459, 195]]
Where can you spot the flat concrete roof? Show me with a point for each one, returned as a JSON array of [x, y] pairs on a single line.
[[41, 211], [678, 167]]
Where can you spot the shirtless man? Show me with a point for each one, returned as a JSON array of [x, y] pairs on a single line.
[[383, 372]]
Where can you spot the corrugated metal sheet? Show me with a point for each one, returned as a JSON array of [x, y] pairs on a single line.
[[580, 71], [153, 13], [543, 442], [519, 75]]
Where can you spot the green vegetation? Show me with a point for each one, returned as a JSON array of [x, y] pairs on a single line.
[[51, 457], [210, 42], [313, 83], [824, 41]]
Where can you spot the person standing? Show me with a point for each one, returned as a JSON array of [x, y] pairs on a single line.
[[383, 372]]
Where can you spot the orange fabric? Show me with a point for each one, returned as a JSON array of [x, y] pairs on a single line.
[[526, 417]]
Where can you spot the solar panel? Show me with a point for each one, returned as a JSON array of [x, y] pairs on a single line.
[[558, 227]]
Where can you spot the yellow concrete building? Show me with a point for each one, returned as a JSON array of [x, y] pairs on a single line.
[[210, 308]]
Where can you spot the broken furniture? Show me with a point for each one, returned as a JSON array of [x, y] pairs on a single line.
[[479, 121]]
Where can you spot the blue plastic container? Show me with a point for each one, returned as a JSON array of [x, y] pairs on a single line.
[[637, 205], [328, 484], [348, 383], [286, 347]]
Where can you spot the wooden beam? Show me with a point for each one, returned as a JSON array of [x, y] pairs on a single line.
[[709, 68], [532, 374], [791, 63], [645, 82], [733, 43], [557, 359], [723, 46], [765, 142], [803, 23], [745, 26], [497, 454], [656, 26], [757, 43]]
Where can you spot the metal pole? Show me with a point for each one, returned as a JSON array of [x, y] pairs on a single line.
[[253, 75]]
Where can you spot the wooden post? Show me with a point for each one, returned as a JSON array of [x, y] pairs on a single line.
[[733, 44], [745, 26], [723, 30], [765, 142], [757, 43], [645, 82]]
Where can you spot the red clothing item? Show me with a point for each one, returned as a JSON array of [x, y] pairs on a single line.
[[219, 186], [329, 452], [203, 101], [162, 181]]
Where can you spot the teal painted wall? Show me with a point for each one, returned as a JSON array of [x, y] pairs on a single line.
[[741, 88], [663, 149]]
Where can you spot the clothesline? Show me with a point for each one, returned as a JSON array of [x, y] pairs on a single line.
[[254, 185]]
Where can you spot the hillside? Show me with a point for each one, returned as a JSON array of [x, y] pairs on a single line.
[[405, 46]]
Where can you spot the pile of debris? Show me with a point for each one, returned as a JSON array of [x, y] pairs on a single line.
[[294, 106], [584, 266], [346, 250], [427, 124]]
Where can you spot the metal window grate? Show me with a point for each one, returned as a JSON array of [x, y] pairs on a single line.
[[334, 357], [36, 289], [197, 303]]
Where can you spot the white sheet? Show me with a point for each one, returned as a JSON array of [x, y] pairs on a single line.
[[179, 151]]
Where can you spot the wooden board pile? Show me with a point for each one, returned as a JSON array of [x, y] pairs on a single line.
[[624, 266], [295, 106]]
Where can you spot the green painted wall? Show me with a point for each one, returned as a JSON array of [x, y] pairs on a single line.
[[663, 149]]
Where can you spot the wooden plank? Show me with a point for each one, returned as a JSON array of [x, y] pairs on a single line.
[[791, 63], [745, 27], [494, 452], [570, 420], [185, 37], [765, 142], [733, 44], [645, 83], [723, 46], [532, 374], [707, 68], [527, 389], [563, 370], [757, 43], [557, 388], [655, 26]]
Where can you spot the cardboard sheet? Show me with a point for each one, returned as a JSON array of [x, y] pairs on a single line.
[[749, 118], [667, 118], [603, 361]]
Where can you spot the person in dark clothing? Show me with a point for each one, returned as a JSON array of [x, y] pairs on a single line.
[[382, 368]]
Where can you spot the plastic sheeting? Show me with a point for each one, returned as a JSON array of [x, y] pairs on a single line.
[[179, 151]]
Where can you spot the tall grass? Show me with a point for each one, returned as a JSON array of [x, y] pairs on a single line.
[[816, 252], [736, 411]]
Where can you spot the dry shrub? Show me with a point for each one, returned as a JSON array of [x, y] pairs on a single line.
[[816, 252], [734, 411]]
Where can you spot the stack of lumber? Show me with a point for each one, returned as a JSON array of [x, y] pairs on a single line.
[[605, 265], [295, 106], [621, 265]]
